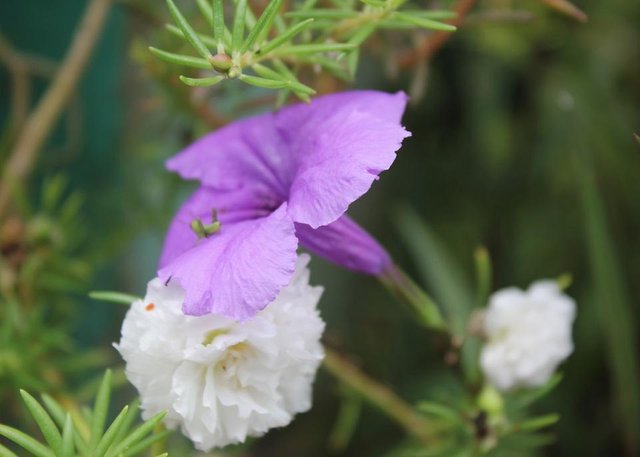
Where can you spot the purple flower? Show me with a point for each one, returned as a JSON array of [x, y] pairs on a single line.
[[273, 180]]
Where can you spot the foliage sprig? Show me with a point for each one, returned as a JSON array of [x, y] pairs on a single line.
[[269, 50], [70, 433]]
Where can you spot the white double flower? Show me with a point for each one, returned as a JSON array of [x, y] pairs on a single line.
[[529, 335], [220, 380]]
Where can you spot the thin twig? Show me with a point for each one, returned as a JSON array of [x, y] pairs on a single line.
[[380, 396], [39, 124], [433, 42], [21, 88], [567, 8]]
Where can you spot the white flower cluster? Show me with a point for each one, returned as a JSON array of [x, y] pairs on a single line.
[[529, 335], [222, 380]]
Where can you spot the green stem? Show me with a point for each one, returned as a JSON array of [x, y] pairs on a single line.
[[380, 396], [403, 287]]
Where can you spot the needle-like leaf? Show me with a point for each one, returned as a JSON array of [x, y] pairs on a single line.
[[100, 410], [262, 25], [113, 297], [188, 31], [68, 437], [145, 443], [4, 452], [25, 441], [205, 9], [218, 24], [264, 82], [111, 433], [179, 59], [135, 436], [201, 82], [314, 48], [424, 22], [321, 14], [239, 21], [283, 38], [59, 415], [44, 421], [179, 33]]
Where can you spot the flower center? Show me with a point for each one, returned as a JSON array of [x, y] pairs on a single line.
[[212, 335]]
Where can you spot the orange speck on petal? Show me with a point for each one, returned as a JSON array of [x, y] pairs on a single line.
[[150, 307]]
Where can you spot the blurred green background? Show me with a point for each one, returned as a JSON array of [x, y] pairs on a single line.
[[523, 141]]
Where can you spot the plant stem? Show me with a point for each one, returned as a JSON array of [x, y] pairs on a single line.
[[380, 396], [403, 287], [40, 123], [20, 85]]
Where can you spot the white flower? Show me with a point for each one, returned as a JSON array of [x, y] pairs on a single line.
[[529, 335], [222, 380]]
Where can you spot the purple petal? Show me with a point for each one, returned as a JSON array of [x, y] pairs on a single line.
[[345, 243], [382, 105], [247, 154], [231, 207], [341, 143], [239, 270]]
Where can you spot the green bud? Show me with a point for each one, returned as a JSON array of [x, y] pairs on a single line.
[[491, 401], [220, 62]]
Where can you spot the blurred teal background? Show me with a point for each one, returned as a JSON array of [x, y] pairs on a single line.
[[523, 141]]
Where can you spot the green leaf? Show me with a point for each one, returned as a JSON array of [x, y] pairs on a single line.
[[113, 297], [68, 437], [135, 436], [526, 397], [205, 9], [201, 82], [218, 23], [239, 21], [346, 423], [283, 38], [314, 48], [439, 410], [179, 33], [4, 452], [59, 415], [262, 25], [438, 268], [375, 3], [130, 418], [321, 14], [52, 192], [362, 34], [25, 441], [44, 421], [332, 66], [287, 77], [430, 14], [264, 82], [180, 59], [424, 308], [100, 410], [537, 423], [301, 91], [189, 33], [423, 22], [619, 325], [111, 433], [444, 276], [146, 443], [483, 275]]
